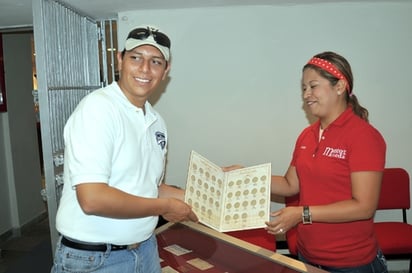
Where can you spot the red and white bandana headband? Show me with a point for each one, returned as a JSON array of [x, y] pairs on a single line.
[[330, 68]]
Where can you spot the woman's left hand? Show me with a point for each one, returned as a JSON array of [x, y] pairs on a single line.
[[284, 219]]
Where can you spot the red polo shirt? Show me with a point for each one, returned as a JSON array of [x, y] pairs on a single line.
[[348, 145]]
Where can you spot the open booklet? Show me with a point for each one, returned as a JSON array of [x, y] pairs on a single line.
[[228, 201]]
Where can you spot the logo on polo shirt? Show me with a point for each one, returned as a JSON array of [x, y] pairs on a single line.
[[161, 139], [336, 153]]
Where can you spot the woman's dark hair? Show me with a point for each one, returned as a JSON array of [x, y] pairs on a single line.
[[344, 67]]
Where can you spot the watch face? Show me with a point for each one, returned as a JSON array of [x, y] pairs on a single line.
[[306, 216]]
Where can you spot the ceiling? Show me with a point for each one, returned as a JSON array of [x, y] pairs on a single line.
[[18, 13]]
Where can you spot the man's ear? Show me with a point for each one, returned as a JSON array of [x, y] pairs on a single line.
[[166, 70], [119, 60]]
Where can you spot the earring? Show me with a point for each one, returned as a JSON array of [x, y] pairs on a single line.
[[339, 93]]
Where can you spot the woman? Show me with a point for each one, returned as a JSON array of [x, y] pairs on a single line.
[[336, 168]]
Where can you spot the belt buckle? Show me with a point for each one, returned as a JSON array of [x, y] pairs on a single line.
[[133, 246]]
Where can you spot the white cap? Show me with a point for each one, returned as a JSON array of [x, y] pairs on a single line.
[[132, 41]]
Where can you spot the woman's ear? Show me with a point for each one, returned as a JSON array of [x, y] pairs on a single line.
[[341, 86]]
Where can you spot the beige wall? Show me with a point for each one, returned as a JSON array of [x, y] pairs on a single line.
[[233, 93]]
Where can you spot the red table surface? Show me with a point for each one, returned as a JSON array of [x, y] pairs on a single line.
[[224, 256]]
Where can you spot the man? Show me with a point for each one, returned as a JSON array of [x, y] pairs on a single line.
[[115, 150]]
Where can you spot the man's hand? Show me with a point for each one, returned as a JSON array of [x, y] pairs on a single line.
[[178, 211]]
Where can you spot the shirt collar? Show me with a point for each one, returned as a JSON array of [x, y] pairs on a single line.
[[124, 100], [340, 121]]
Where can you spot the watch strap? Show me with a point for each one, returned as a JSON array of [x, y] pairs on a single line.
[[306, 215]]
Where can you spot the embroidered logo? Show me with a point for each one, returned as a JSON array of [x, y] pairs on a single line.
[[161, 139], [336, 153]]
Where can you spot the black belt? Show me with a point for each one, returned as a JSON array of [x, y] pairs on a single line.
[[100, 247]]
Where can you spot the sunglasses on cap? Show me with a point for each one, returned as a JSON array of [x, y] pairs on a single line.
[[144, 33]]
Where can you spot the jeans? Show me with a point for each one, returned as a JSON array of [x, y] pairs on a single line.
[[144, 259], [378, 265]]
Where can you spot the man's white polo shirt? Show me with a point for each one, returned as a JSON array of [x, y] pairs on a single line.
[[109, 140]]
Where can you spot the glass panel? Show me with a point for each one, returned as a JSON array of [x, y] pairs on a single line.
[[3, 104], [190, 247]]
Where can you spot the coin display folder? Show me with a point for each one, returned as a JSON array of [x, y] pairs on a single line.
[[228, 201]]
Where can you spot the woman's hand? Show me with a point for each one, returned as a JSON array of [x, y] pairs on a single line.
[[284, 219]]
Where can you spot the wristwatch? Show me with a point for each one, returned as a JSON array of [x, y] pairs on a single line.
[[306, 215]]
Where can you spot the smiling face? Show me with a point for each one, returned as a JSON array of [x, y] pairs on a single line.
[[141, 70], [323, 100]]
